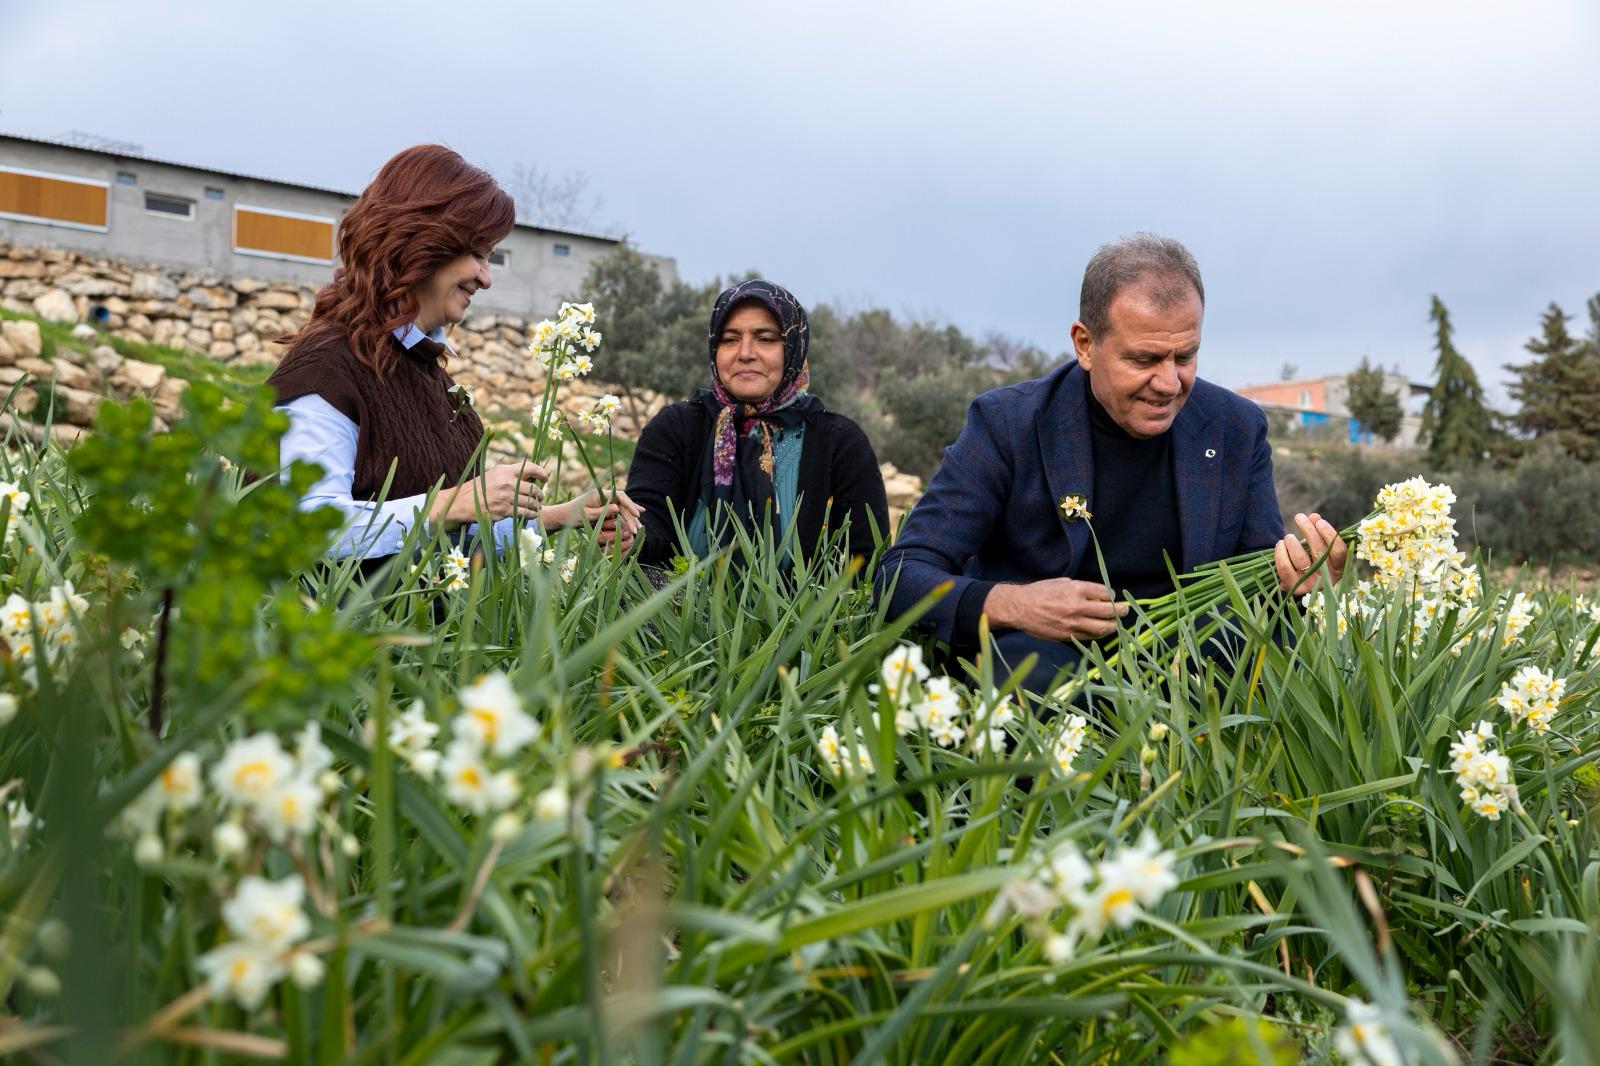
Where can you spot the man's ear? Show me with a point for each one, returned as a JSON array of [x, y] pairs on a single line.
[[1083, 346]]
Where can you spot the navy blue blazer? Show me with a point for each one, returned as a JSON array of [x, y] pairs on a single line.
[[990, 513]]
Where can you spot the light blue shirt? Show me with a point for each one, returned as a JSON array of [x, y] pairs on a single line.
[[319, 433]]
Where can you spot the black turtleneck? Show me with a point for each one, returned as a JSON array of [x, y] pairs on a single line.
[[1135, 507]]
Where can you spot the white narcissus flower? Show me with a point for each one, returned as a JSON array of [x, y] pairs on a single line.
[[1145, 868], [901, 668], [828, 745], [569, 567], [8, 708], [425, 762], [468, 782], [310, 752], [16, 617], [147, 851], [290, 811], [940, 705], [492, 716], [20, 821], [411, 731], [241, 970], [179, 783], [269, 913], [1364, 1038], [1069, 742], [252, 769]]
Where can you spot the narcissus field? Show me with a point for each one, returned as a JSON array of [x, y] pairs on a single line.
[[539, 805]]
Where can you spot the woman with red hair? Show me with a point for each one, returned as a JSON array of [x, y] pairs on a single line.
[[364, 381]]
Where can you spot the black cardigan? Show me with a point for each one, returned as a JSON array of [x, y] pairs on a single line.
[[836, 464]]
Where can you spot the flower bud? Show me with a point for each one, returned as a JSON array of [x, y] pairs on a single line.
[[1058, 949], [305, 969], [1147, 755], [504, 827], [229, 840], [330, 782], [42, 982], [8, 708], [551, 805], [55, 939], [350, 846], [1158, 731], [148, 850]]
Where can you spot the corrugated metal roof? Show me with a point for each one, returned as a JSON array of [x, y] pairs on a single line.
[[270, 181]]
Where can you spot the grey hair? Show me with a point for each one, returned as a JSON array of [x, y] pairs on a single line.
[[1165, 267]]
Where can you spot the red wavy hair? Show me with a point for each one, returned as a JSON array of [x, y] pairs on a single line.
[[426, 207]]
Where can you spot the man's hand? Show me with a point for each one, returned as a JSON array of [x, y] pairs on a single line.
[[1291, 557], [617, 516], [1059, 608]]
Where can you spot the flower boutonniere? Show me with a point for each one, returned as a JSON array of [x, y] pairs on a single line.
[[460, 398], [1073, 506]]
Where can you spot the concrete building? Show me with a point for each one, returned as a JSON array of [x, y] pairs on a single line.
[[220, 224], [1322, 402]]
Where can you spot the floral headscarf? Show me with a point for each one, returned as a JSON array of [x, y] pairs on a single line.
[[741, 437]]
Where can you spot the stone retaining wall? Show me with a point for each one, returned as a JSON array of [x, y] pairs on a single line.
[[237, 321]]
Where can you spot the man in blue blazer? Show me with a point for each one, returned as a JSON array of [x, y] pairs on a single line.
[[1168, 465]]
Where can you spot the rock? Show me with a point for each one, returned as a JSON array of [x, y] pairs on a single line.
[[277, 300], [26, 289], [79, 405], [197, 338], [140, 324], [481, 323], [24, 337], [247, 342], [247, 286], [60, 432], [84, 285], [153, 286], [134, 376], [222, 350], [8, 354], [168, 400], [105, 358], [244, 318], [83, 331], [57, 306], [216, 299], [10, 375], [73, 376], [116, 305], [27, 268], [222, 331]]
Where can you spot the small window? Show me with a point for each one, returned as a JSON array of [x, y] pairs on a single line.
[[562, 249], [499, 257], [1305, 397], [213, 193], [173, 206], [127, 177]]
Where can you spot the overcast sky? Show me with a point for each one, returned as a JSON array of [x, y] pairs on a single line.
[[1331, 165]]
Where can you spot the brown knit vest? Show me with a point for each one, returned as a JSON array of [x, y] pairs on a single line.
[[407, 417]]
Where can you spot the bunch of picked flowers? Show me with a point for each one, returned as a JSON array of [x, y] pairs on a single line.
[[561, 348], [1409, 538]]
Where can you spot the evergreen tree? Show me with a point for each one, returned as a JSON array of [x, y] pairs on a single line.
[[1457, 424], [1375, 406], [1558, 393]]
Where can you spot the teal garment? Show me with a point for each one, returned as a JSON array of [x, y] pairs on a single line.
[[786, 446]]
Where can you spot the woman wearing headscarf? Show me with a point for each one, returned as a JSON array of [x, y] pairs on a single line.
[[756, 447], [364, 381]]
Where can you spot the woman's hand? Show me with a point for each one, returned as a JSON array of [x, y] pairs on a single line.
[[617, 517], [1291, 558], [505, 490]]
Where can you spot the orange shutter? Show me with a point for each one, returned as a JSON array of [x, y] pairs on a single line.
[[52, 198], [259, 231]]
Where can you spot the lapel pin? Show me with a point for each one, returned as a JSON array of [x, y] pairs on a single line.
[[1211, 453]]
